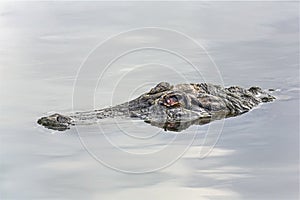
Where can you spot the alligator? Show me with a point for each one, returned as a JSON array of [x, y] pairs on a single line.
[[172, 107]]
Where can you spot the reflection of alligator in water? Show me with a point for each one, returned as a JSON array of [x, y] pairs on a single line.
[[172, 107]]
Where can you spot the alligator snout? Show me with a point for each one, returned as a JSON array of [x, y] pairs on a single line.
[[56, 122]]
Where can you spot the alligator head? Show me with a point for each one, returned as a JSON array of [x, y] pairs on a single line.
[[173, 107]]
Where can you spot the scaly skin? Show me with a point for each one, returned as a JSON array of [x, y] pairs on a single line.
[[172, 107]]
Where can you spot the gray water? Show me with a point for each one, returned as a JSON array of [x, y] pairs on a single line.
[[42, 47]]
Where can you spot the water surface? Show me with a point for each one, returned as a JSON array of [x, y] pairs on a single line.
[[42, 46]]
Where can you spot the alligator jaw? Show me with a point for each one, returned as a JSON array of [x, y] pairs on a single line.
[[56, 122]]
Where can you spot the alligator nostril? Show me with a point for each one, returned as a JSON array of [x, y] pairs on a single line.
[[60, 119]]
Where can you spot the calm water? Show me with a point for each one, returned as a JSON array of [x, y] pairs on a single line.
[[43, 45]]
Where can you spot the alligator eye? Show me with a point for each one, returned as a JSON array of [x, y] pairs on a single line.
[[171, 101]]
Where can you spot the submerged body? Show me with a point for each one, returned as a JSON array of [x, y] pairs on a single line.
[[172, 107]]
